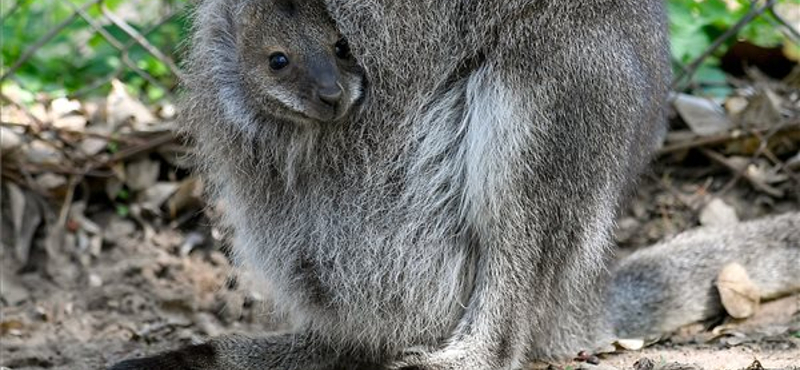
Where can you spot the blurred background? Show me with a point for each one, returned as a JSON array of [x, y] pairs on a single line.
[[107, 248]]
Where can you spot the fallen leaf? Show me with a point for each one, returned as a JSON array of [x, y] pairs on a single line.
[[703, 116], [188, 195], [154, 196], [50, 181], [142, 174], [72, 122], [740, 296], [40, 152], [11, 326], [61, 107], [630, 344], [9, 140], [92, 145], [123, 109]]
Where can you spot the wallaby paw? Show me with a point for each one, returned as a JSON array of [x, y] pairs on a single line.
[[446, 359]]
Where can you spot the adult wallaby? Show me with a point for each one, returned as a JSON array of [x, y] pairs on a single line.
[[457, 213]]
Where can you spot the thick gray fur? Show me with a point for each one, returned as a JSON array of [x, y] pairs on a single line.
[[671, 284], [459, 216]]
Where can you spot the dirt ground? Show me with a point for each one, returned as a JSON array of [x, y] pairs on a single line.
[[145, 291]]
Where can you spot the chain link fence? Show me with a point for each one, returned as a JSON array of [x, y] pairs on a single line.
[[138, 42], [94, 42]]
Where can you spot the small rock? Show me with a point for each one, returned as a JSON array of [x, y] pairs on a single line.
[[718, 213], [95, 281]]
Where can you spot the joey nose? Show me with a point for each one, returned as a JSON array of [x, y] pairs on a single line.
[[330, 95]]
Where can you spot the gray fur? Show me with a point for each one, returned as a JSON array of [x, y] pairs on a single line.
[[458, 218], [672, 284]]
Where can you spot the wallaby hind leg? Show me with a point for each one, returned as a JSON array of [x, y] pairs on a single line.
[[275, 352]]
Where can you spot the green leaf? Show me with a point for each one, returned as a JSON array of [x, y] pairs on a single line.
[[123, 210], [123, 194]]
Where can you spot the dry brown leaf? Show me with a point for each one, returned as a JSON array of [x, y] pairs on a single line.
[[740, 296], [188, 195], [123, 109]]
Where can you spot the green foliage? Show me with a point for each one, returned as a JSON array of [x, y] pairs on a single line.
[[123, 210], [79, 56], [695, 24]]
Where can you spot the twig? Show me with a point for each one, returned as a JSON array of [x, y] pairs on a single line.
[[741, 172], [45, 39], [707, 141], [37, 122], [691, 69], [147, 146], [142, 41]]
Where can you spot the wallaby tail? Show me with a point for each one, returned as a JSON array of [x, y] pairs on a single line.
[[661, 288]]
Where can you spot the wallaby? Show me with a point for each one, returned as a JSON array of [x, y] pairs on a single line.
[[456, 213]]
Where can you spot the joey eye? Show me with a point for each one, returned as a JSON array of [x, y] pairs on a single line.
[[342, 49], [278, 61]]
